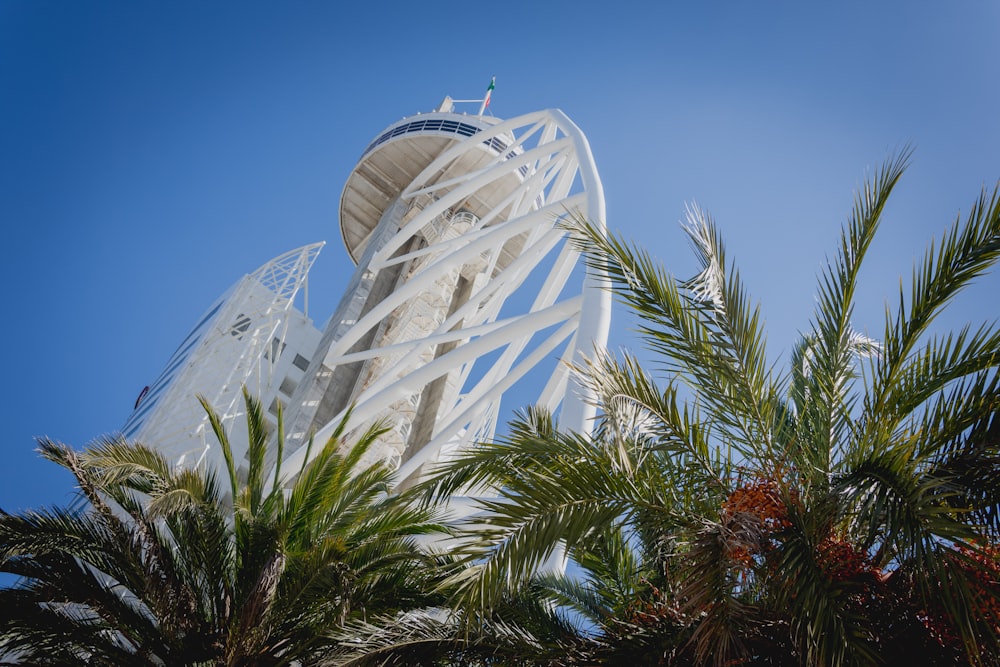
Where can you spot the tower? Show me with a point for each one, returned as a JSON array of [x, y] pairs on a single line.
[[465, 291], [463, 284]]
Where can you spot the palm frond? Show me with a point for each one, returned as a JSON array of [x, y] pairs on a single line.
[[964, 253], [716, 344], [164, 566]]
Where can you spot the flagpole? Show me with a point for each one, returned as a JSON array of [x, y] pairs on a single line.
[[489, 94]]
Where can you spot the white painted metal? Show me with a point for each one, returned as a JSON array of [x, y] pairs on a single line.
[[480, 211], [238, 343]]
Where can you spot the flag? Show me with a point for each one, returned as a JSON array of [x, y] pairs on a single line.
[[489, 93]]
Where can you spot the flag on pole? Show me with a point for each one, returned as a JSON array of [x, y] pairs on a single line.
[[489, 94]]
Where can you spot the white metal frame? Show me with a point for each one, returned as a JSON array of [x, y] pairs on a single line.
[[224, 361], [552, 160]]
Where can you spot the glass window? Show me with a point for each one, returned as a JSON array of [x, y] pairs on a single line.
[[277, 347], [240, 326], [300, 362], [287, 387]]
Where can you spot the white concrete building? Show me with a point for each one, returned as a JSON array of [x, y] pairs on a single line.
[[252, 335]]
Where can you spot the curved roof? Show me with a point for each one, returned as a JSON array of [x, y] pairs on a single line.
[[393, 159]]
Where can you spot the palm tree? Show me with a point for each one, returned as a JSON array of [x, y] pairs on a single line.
[[519, 631], [171, 567], [843, 511]]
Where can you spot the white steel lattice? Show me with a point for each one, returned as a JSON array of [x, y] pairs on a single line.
[[283, 277], [485, 211], [230, 353]]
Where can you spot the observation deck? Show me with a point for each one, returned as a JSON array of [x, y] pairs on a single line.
[[400, 153]]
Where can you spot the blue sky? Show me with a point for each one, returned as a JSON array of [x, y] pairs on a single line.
[[152, 153]]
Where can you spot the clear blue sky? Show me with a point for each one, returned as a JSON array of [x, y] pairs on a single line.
[[151, 153]]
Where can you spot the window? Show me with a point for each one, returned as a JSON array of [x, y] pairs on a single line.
[[424, 125], [277, 347], [288, 386], [300, 362], [240, 326]]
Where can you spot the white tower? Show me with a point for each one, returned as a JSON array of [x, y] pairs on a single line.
[[466, 287], [466, 291]]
